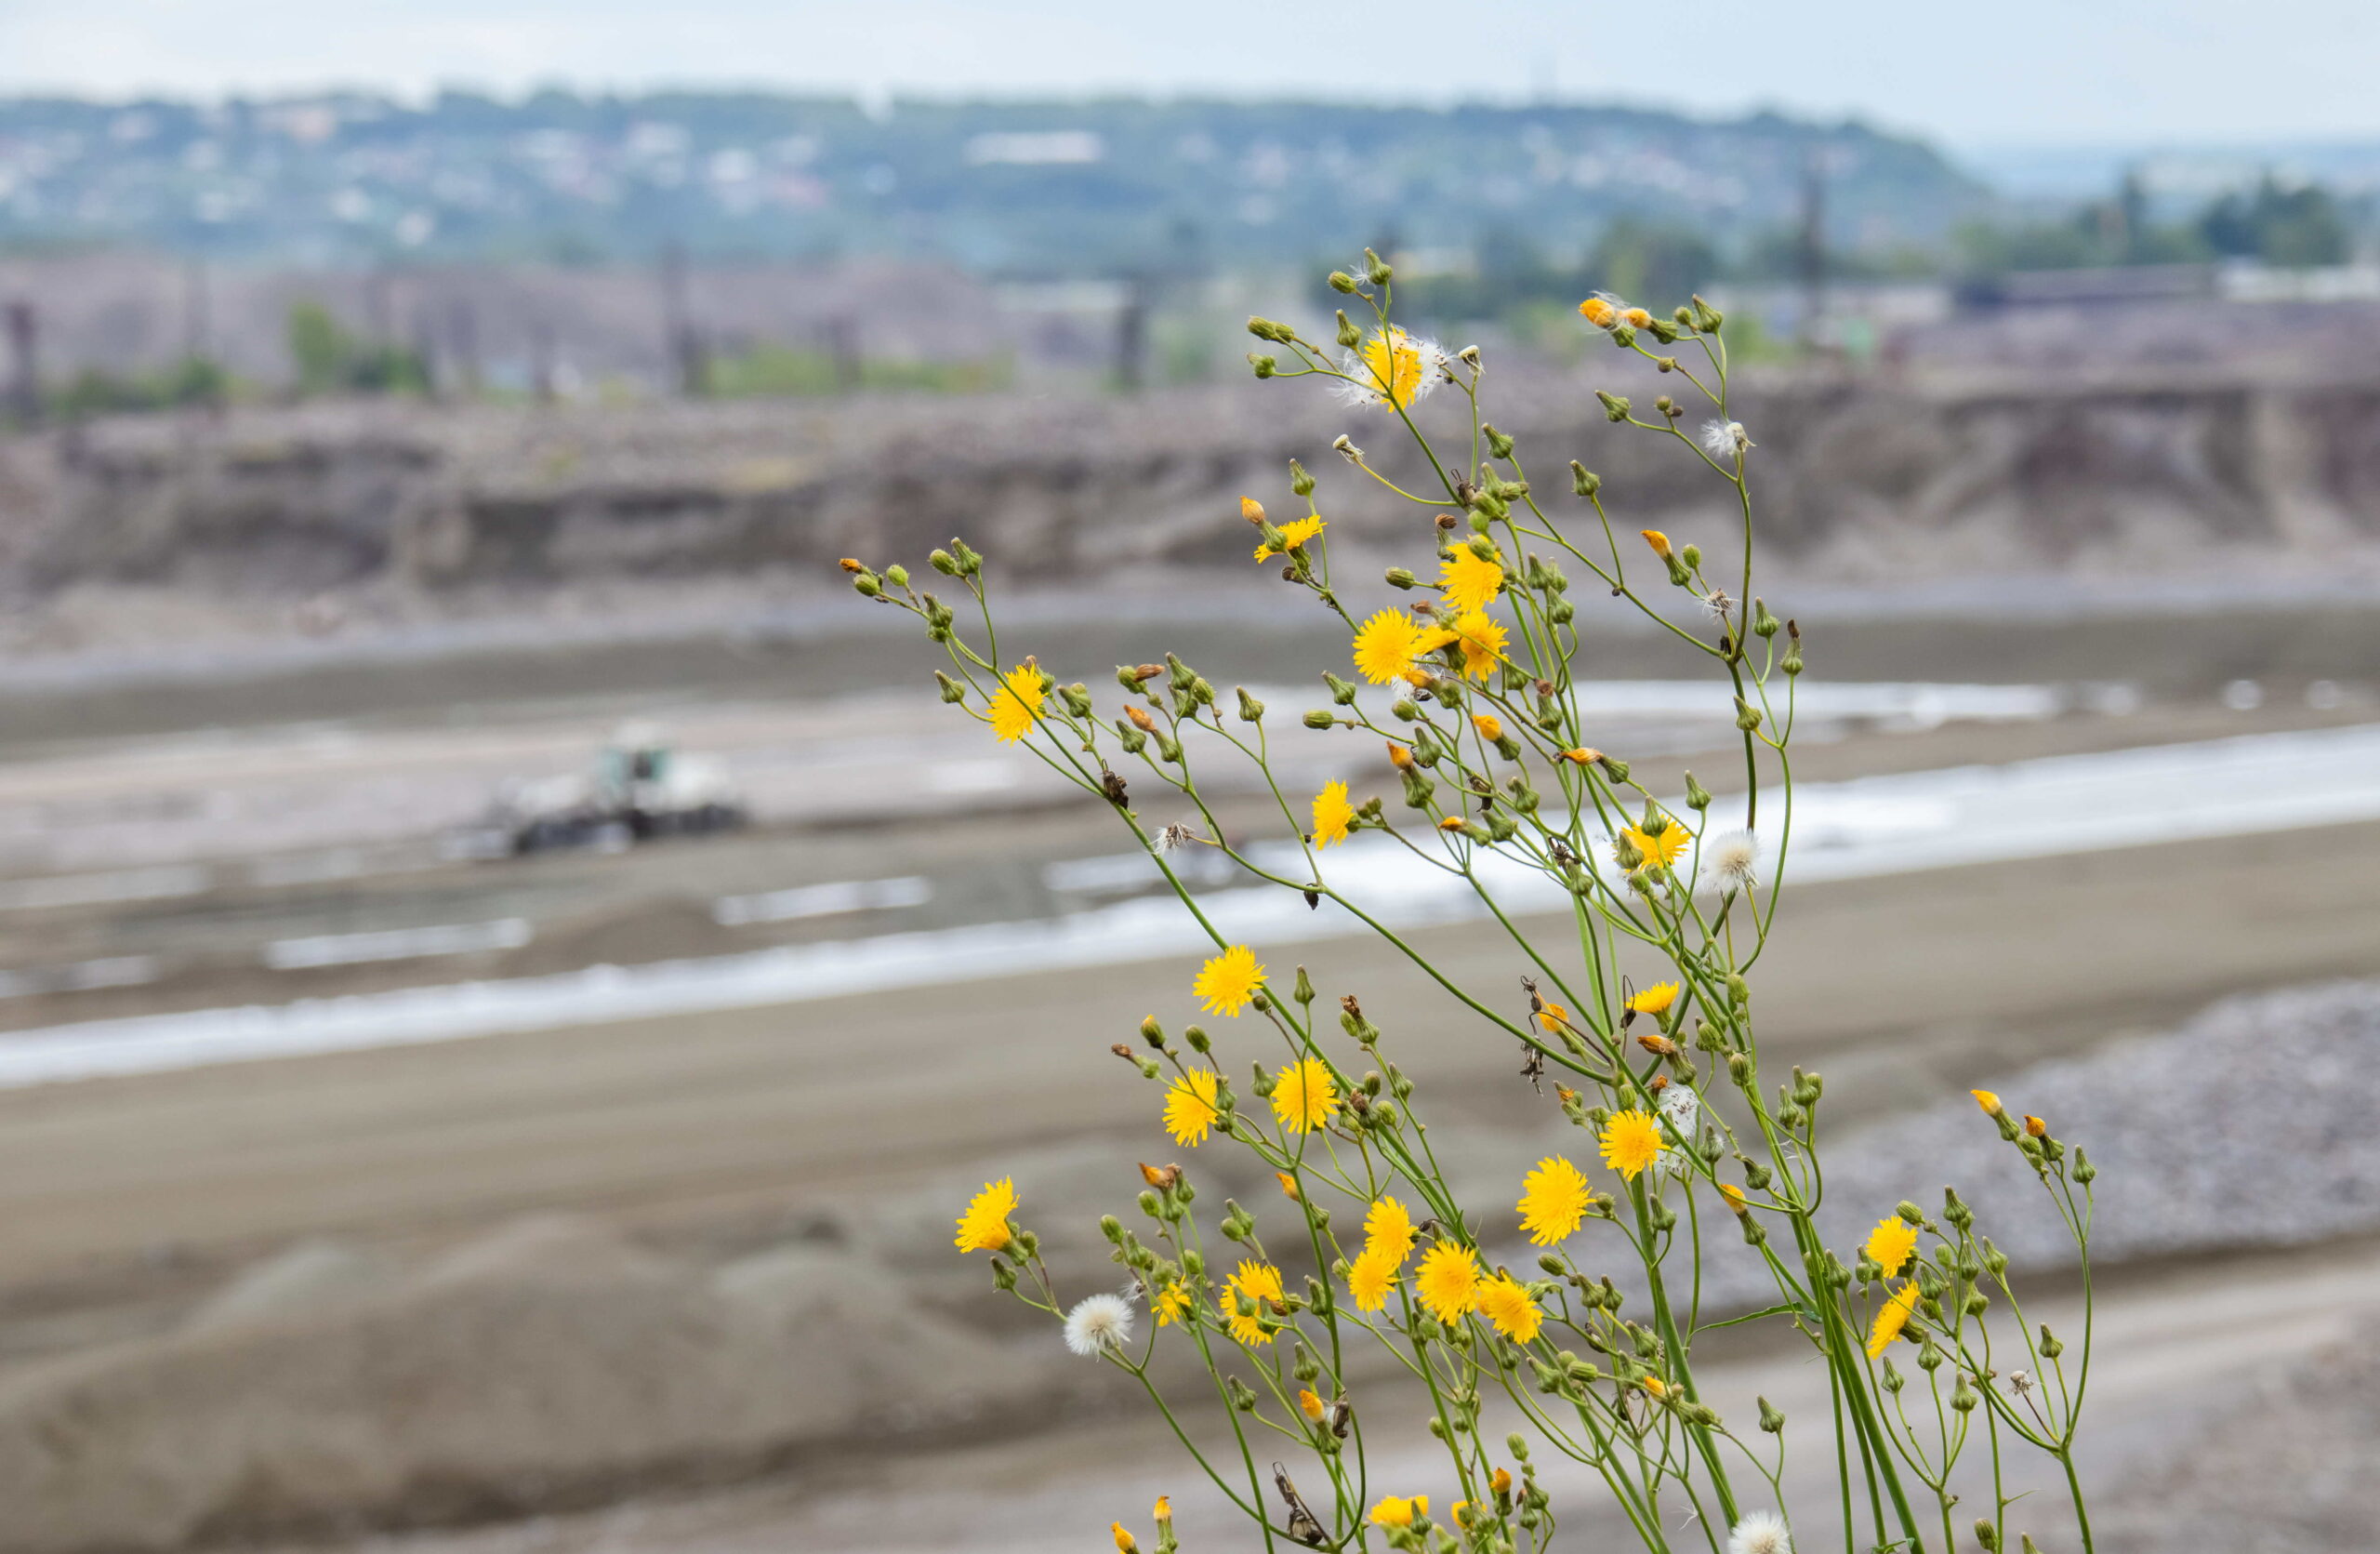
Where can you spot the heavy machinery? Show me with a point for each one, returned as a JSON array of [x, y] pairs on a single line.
[[639, 789]]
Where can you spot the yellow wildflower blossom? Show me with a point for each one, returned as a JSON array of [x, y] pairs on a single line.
[[1554, 1198], [1482, 640], [1303, 1095], [1292, 536], [1447, 1282], [984, 1228], [1552, 1017], [1170, 1304], [1385, 647], [1288, 1186], [1505, 1303], [1989, 1102], [1164, 1512], [1373, 1275], [1333, 815], [1491, 728], [1600, 313], [1630, 1141], [1890, 1243], [1398, 1510], [1658, 849], [1387, 1225], [1228, 983], [1017, 703], [1190, 1108], [1392, 367], [1309, 1405], [1890, 1319], [1468, 582], [1124, 1543], [1657, 541], [1657, 998], [1260, 1282]]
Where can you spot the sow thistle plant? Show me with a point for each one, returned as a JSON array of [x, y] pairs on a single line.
[[1368, 1297]]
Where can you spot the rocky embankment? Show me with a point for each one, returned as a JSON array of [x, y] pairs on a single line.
[[2194, 468]]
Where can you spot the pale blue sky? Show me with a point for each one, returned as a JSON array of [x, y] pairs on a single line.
[[2010, 71]]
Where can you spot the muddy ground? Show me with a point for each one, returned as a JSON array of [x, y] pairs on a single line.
[[308, 799]]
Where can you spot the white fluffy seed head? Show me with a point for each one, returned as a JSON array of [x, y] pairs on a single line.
[[1760, 1533], [1735, 858], [1725, 439], [1099, 1325]]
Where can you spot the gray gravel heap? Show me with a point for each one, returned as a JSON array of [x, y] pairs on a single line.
[[2252, 1125]]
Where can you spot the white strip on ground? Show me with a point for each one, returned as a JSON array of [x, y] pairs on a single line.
[[1884, 825], [396, 944], [826, 900]]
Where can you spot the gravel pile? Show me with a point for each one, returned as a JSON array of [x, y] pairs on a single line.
[[2252, 1125]]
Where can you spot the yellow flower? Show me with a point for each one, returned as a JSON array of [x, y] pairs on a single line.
[[1257, 1282], [1631, 1142], [1500, 1481], [1309, 1405], [1505, 1301], [1554, 1198], [1491, 729], [1017, 703], [1227, 983], [1387, 1226], [984, 1228], [1890, 1319], [1447, 1281], [1657, 541], [1398, 1510], [1164, 1512], [1655, 1387], [1597, 311], [1190, 1107], [1657, 998], [1124, 1544], [1468, 581], [1735, 1197], [1461, 1511], [1483, 644], [1989, 1102], [1635, 318], [1288, 1186], [1373, 1275], [1303, 1095], [1385, 645], [1658, 849], [1552, 1017], [1252, 510], [1171, 1304], [1333, 815], [1392, 367], [1890, 1243], [1292, 536]]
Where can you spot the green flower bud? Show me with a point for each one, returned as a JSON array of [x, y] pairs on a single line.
[[1250, 709], [952, 691], [1583, 480], [1263, 366], [1349, 336], [1399, 577], [1696, 796], [1300, 482], [1614, 407], [943, 562], [1342, 282], [1771, 1419], [1321, 717], [1499, 445]]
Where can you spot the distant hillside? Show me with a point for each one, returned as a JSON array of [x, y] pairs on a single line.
[[1047, 189]]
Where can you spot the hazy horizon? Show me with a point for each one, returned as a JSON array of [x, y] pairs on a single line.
[[2042, 72]]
